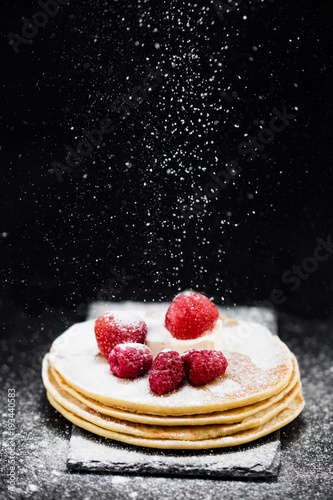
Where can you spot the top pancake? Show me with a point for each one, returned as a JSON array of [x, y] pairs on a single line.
[[260, 365], [224, 417]]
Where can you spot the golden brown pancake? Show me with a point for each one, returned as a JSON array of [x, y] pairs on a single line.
[[190, 433], [281, 419], [226, 416], [259, 367]]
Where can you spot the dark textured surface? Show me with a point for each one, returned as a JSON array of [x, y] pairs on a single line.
[[62, 243], [42, 435]]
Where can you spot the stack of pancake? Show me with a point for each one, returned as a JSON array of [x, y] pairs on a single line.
[[259, 393]]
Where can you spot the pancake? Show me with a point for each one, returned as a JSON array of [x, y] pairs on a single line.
[[281, 419], [259, 392], [188, 433], [259, 367], [227, 416]]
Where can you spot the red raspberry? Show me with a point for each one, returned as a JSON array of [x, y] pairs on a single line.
[[130, 360], [190, 314], [203, 365], [167, 372], [117, 327]]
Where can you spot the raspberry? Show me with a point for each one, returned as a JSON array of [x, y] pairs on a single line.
[[117, 327], [203, 365], [130, 360], [167, 372], [190, 314]]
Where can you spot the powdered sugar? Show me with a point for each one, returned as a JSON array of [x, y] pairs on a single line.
[[124, 319], [253, 340], [141, 347]]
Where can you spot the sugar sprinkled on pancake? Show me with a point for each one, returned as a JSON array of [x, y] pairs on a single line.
[[226, 416], [249, 377], [180, 432]]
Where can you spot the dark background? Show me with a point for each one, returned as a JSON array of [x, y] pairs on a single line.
[[119, 210]]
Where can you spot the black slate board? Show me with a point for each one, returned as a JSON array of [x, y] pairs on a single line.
[[260, 459], [90, 453]]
